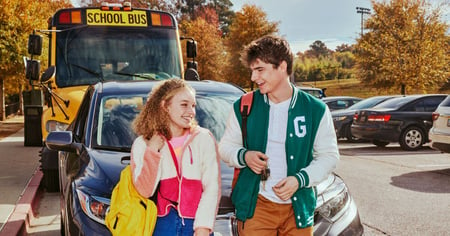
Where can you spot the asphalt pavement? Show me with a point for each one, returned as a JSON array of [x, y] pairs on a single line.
[[20, 191]]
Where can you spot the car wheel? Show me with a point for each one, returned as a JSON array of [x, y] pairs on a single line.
[[412, 138], [380, 143]]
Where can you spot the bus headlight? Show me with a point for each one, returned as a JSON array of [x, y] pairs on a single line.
[[53, 125]]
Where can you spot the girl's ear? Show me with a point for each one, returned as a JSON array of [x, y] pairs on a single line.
[[163, 106]]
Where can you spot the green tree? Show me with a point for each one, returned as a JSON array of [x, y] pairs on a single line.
[[318, 49], [406, 45], [249, 24]]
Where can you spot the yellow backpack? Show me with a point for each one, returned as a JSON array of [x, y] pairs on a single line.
[[129, 212]]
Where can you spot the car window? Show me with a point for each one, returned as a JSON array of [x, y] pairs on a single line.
[[426, 104], [115, 117], [446, 102], [395, 103], [366, 103], [213, 110], [431, 103], [79, 128]]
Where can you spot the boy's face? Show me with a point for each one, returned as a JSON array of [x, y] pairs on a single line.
[[267, 77]]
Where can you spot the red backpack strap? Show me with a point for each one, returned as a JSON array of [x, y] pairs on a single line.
[[246, 107]]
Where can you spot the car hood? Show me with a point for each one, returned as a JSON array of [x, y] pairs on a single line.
[[102, 172]]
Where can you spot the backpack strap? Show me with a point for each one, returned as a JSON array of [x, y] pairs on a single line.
[[246, 107]]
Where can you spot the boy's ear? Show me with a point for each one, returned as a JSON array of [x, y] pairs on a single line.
[[283, 65]]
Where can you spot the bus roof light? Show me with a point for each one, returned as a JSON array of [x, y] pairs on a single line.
[[127, 6], [161, 19], [76, 17], [166, 20], [156, 19], [64, 17]]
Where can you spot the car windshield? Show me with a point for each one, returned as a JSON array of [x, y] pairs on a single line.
[[395, 102], [366, 103], [117, 113]]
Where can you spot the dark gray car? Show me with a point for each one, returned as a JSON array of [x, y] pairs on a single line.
[[343, 118]]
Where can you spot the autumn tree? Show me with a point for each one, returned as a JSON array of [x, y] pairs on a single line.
[[249, 24], [406, 45], [18, 19], [205, 30]]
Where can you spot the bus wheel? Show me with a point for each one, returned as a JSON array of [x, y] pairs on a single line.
[[49, 168]]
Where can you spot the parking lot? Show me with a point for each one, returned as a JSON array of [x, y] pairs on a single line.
[[398, 192]]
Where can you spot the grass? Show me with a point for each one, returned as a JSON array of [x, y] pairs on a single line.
[[353, 87]]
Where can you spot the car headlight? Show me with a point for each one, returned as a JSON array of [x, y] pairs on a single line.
[[53, 125], [93, 206], [336, 198]]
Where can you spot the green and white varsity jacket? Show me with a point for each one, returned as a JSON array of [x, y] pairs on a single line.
[[311, 151]]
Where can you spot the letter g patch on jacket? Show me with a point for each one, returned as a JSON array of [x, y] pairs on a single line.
[[300, 130]]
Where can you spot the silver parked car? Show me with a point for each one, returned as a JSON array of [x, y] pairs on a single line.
[[440, 132]]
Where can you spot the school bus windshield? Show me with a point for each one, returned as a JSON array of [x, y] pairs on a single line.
[[89, 54]]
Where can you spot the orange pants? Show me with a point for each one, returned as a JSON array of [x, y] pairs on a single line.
[[272, 218]]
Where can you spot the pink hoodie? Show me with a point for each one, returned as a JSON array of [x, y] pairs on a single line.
[[197, 189]]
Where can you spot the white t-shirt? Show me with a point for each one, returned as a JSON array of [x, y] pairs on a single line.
[[275, 149]]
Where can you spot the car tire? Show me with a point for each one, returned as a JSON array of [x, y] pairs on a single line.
[[412, 138], [380, 143]]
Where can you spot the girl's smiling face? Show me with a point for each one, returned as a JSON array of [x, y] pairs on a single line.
[[181, 111]]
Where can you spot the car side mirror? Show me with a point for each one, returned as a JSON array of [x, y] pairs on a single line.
[[62, 141]]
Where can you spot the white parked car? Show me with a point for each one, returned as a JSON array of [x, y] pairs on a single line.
[[440, 132]]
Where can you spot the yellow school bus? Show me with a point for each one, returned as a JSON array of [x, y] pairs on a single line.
[[89, 45]]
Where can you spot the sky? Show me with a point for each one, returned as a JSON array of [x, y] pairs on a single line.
[[302, 22]]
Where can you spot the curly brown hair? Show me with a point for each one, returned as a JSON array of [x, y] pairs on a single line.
[[154, 119]]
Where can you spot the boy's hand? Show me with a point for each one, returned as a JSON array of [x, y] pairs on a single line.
[[257, 161]]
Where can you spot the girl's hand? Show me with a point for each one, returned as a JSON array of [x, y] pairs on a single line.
[[155, 143], [201, 232]]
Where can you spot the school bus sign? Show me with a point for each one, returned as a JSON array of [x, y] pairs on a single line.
[[116, 18]]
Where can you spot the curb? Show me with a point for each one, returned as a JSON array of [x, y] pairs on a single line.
[[19, 219]]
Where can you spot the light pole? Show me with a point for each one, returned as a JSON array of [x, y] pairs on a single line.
[[362, 11]]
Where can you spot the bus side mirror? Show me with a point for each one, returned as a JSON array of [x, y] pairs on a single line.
[[191, 74], [34, 44], [191, 49], [33, 68], [49, 73]]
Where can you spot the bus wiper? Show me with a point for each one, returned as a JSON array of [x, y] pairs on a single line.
[[92, 72], [144, 76]]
